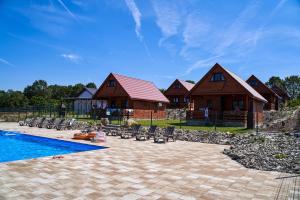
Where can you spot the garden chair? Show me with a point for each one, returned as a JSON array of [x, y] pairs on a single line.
[[152, 131], [146, 135], [164, 137], [126, 134]]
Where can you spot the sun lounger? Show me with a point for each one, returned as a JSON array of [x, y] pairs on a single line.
[[63, 125], [26, 121], [41, 123], [54, 123], [35, 122], [126, 134]]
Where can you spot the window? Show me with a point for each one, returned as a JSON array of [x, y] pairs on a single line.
[[111, 83], [177, 86], [238, 104], [113, 104], [209, 104], [175, 99], [253, 83], [125, 104], [217, 77], [186, 100]]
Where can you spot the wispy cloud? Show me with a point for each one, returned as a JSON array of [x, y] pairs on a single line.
[[202, 63], [260, 30], [136, 14], [66, 8], [168, 17], [234, 31], [53, 18], [72, 57], [2, 60]]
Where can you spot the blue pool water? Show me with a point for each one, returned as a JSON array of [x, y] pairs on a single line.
[[17, 146]]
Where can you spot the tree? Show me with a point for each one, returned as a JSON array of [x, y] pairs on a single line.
[[12, 99], [190, 81], [162, 90], [76, 89], [276, 81], [91, 85], [38, 88], [292, 84]]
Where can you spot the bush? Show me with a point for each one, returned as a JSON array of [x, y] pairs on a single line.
[[280, 156], [293, 103]]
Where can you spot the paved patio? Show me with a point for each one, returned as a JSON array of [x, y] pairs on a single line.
[[131, 169]]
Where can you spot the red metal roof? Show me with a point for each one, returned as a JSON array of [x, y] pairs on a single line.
[[187, 85], [140, 89]]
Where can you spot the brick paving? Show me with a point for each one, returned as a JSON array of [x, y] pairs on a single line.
[[131, 169]]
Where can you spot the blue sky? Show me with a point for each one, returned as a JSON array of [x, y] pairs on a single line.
[[70, 41]]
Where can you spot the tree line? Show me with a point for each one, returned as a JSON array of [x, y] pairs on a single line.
[[40, 93]]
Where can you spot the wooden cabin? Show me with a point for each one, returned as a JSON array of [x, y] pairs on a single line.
[[177, 94], [224, 98], [284, 96], [266, 92], [142, 99]]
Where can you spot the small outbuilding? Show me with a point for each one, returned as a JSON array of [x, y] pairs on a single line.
[[224, 98], [138, 98], [177, 94], [269, 94], [84, 103]]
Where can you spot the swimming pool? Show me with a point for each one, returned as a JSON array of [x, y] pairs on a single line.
[[18, 146]]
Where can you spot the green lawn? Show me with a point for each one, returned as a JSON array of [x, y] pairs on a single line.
[[178, 124]]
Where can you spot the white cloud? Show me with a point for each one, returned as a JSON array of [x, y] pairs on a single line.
[[6, 62], [168, 17], [136, 14], [72, 57]]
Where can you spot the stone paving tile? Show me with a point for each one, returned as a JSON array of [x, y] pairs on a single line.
[[129, 169]]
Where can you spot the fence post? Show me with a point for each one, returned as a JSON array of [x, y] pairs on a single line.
[[19, 114], [216, 120], [151, 118]]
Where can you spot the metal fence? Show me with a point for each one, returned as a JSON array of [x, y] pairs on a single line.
[[17, 114]]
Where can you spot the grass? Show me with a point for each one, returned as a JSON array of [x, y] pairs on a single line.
[[181, 124]]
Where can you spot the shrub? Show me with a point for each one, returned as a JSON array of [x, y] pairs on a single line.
[[280, 156], [293, 103]]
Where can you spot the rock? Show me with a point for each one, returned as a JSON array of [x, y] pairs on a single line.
[[277, 152], [130, 122], [104, 121]]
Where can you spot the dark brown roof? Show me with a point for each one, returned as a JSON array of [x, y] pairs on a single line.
[[245, 85], [264, 85]]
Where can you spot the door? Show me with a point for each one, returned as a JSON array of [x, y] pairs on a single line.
[[250, 117]]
